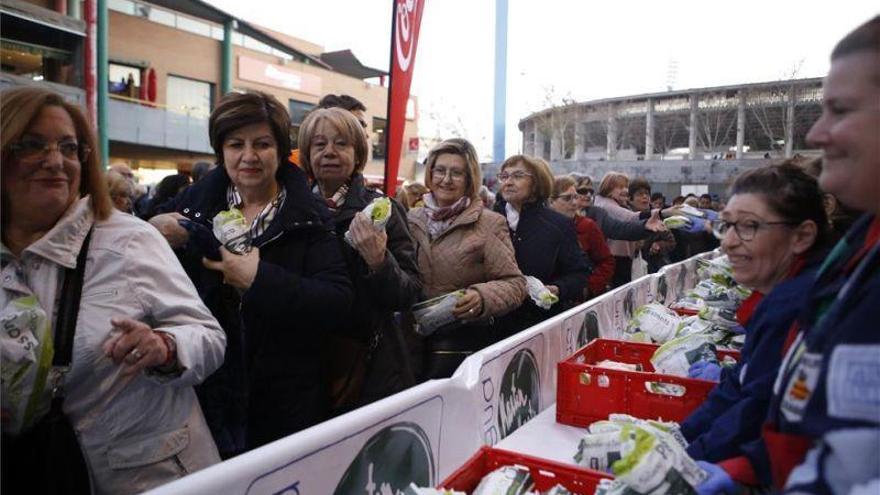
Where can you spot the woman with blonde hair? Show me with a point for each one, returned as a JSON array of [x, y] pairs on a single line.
[[101, 325], [545, 241], [368, 358], [462, 246]]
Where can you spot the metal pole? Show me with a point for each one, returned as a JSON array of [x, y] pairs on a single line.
[[90, 64], [500, 80], [226, 68], [103, 82]]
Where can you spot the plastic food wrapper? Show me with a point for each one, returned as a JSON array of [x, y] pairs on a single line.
[[412, 489], [717, 270], [690, 303], [724, 317], [670, 389], [657, 321], [557, 490], [691, 211], [676, 222], [233, 231], [617, 365], [694, 325], [601, 447], [654, 463], [540, 294], [436, 312], [506, 480], [676, 356], [379, 211]]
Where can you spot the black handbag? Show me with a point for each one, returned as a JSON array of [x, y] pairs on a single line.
[[47, 458]]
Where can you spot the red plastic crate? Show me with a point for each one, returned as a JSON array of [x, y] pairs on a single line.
[[546, 474], [586, 393]]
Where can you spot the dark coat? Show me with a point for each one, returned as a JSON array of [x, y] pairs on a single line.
[[733, 413], [271, 381], [547, 248], [395, 286]]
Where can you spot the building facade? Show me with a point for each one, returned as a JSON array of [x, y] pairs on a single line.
[[166, 66]]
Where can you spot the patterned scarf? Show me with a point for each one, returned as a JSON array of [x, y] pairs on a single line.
[[264, 218], [334, 202], [440, 218]]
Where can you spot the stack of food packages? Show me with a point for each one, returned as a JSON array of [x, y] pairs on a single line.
[[710, 326]]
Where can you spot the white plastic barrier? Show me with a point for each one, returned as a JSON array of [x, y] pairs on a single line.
[[425, 433]]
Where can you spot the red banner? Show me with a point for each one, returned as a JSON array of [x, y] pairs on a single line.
[[406, 19]]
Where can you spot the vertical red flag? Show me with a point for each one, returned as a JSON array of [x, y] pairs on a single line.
[[405, 22]]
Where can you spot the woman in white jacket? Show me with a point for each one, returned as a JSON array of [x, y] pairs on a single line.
[[143, 337]]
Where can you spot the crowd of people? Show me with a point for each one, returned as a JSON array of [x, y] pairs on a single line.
[[166, 347]]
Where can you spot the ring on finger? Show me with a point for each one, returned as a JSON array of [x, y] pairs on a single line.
[[136, 355]]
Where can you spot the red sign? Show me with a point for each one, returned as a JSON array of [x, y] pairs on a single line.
[[414, 144], [406, 19]]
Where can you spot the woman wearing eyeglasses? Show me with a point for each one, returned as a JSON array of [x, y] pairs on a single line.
[[545, 241], [566, 200], [774, 230], [141, 338], [462, 246]]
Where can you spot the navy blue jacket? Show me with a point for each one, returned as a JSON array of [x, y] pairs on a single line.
[[735, 410], [546, 247], [271, 383]]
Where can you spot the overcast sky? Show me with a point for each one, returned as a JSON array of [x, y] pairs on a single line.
[[571, 48]]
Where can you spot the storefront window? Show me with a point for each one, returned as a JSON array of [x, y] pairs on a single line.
[[190, 97], [125, 80], [39, 63], [299, 110]]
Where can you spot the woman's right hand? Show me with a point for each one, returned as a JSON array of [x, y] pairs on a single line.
[[469, 306], [168, 224]]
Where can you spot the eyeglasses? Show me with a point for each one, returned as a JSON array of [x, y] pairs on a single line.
[[33, 148], [517, 176], [745, 229], [439, 174], [568, 198], [585, 192]]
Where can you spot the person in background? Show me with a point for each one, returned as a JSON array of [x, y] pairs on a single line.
[[658, 201], [614, 200], [678, 201], [823, 426], [167, 189], [775, 233], [462, 246], [276, 295], [705, 202], [410, 195], [344, 102], [565, 201], [655, 248], [487, 197], [121, 191], [840, 216], [200, 169], [368, 355], [545, 242], [142, 338], [611, 227]]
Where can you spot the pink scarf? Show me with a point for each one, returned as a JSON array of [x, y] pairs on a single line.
[[440, 218]]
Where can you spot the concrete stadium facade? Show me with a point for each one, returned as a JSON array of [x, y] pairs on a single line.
[[694, 137]]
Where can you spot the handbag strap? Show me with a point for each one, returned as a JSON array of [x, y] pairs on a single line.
[[68, 308]]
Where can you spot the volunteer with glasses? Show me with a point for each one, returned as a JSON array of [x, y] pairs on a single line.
[[141, 338], [822, 430], [566, 200], [545, 241], [276, 287], [774, 231], [462, 246]]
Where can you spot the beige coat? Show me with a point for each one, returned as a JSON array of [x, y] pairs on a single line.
[[475, 253]]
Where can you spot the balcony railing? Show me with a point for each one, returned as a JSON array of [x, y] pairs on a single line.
[[139, 122]]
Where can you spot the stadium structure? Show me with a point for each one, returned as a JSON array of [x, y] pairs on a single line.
[[692, 138]]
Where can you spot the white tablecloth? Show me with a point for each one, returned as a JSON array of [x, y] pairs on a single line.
[[545, 438]]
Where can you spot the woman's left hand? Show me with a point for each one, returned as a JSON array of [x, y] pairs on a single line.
[[369, 240], [135, 345], [239, 270]]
